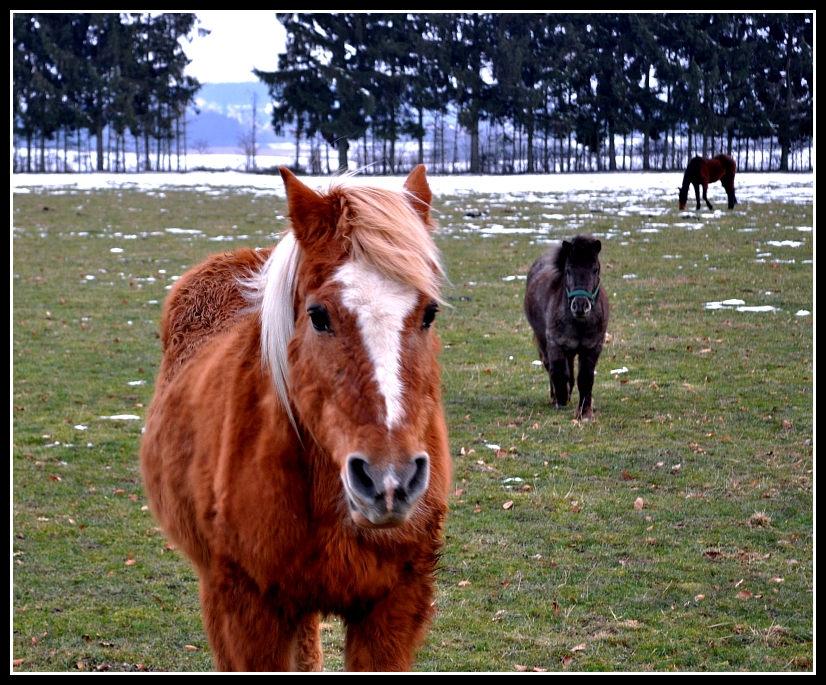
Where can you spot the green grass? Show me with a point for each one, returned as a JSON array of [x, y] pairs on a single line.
[[711, 428]]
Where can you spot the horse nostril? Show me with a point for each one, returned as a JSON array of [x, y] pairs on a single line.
[[360, 479], [419, 478], [580, 306]]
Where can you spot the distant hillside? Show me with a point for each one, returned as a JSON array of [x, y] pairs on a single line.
[[223, 114]]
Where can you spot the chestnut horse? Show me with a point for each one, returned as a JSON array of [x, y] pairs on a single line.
[[701, 172], [296, 447]]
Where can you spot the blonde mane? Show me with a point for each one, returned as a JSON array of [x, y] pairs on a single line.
[[388, 233], [384, 231]]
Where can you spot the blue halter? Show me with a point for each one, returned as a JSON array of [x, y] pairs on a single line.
[[582, 293]]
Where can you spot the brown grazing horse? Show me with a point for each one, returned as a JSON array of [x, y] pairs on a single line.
[[701, 172], [296, 447], [568, 312]]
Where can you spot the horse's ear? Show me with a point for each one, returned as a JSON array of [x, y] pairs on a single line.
[[417, 185], [597, 246], [304, 204]]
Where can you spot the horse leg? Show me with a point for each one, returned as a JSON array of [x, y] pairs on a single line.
[[310, 656], [561, 379], [245, 631], [705, 197], [585, 383], [697, 194], [730, 192], [387, 636]]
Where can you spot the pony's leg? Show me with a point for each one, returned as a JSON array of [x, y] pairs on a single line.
[[585, 383], [309, 656], [561, 380], [387, 637], [245, 631], [697, 194]]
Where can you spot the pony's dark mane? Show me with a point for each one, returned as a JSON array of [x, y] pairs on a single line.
[[582, 246]]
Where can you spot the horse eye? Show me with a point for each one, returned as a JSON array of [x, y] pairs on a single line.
[[319, 317], [430, 314]]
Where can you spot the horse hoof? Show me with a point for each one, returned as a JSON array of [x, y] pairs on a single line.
[[585, 412]]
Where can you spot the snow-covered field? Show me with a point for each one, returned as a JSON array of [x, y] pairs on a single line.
[[611, 188]]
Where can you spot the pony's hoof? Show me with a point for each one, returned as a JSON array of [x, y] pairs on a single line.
[[585, 414]]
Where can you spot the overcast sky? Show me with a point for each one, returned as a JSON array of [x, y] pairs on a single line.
[[239, 40]]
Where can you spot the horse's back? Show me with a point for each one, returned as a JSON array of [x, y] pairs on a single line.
[[728, 164], [205, 300]]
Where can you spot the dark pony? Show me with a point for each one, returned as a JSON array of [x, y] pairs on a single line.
[[568, 311], [701, 172], [296, 449]]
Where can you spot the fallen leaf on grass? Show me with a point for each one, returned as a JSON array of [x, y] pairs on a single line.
[[537, 669], [579, 648], [463, 583], [626, 475], [190, 648], [638, 503], [17, 662], [743, 594], [508, 504], [519, 667]]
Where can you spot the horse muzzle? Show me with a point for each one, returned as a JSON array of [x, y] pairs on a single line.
[[581, 301], [580, 307], [384, 495]]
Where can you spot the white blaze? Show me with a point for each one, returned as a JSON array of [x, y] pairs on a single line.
[[381, 306]]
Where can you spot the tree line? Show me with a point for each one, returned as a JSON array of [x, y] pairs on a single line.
[[108, 75], [555, 92], [530, 92]]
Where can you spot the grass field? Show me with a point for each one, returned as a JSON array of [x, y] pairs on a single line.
[[672, 533]]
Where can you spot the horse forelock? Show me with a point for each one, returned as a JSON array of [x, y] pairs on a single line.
[[386, 232], [580, 250]]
